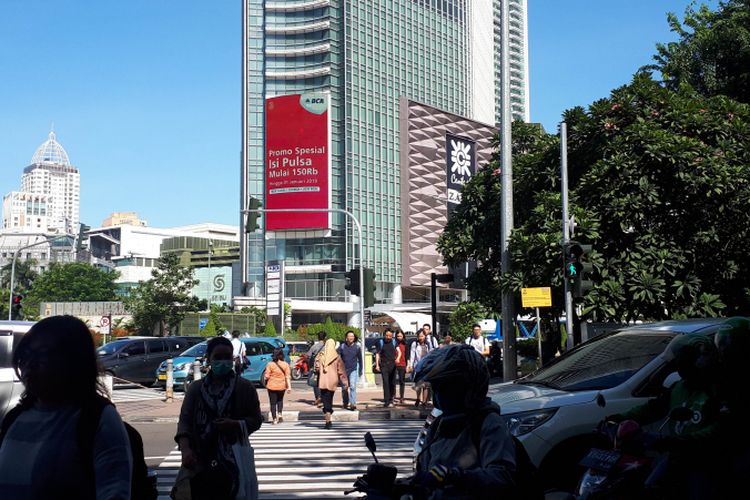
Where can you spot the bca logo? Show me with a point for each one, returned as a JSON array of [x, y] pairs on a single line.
[[314, 103]]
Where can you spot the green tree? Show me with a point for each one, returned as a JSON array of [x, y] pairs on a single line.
[[72, 282], [270, 330], [160, 303], [660, 185], [463, 317], [712, 54], [259, 315], [24, 276]]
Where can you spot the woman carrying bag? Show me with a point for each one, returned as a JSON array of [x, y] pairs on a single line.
[[278, 380], [218, 414], [331, 372]]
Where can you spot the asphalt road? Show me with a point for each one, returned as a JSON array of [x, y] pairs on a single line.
[[158, 440]]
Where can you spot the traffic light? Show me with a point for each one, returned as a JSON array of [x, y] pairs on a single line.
[[352, 281], [578, 268], [253, 205], [16, 306], [368, 287]]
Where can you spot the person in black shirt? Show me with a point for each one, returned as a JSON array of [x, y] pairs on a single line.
[[385, 363]]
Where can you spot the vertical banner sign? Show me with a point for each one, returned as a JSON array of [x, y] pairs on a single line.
[[273, 288], [298, 160], [461, 165]]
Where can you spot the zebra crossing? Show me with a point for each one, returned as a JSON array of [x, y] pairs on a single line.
[[303, 460], [141, 394]]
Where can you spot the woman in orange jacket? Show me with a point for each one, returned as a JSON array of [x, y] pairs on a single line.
[[278, 380]]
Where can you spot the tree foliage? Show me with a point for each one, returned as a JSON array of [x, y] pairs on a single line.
[[660, 185], [463, 317], [712, 54], [161, 303], [24, 276], [72, 282]]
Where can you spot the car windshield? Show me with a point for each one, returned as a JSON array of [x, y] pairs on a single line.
[[197, 351], [603, 363], [111, 348]]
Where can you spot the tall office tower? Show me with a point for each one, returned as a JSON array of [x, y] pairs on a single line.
[[52, 175], [519, 59], [365, 56]]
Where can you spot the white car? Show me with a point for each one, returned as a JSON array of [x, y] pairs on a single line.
[[11, 387], [555, 410]]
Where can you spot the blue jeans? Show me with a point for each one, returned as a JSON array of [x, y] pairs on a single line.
[[350, 397]]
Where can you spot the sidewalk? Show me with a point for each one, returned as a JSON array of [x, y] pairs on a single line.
[[369, 406]]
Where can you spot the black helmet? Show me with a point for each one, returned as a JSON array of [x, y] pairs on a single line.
[[695, 355], [455, 368], [733, 340]]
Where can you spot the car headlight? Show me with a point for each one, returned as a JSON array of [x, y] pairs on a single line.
[[523, 423], [590, 481]]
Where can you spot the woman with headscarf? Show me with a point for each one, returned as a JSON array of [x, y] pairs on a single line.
[[217, 411], [331, 371]]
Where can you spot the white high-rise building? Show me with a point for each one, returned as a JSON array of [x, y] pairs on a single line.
[[25, 212], [51, 174]]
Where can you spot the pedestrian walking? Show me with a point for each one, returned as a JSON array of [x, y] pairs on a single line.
[[401, 362], [351, 353], [478, 341], [331, 373], [239, 351], [419, 350], [385, 363], [447, 340], [278, 381], [42, 453], [431, 340], [218, 411], [312, 380]]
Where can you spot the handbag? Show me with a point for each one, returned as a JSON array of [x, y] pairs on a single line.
[[312, 380], [244, 456], [181, 489]]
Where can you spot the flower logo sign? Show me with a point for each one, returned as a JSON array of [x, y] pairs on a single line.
[[461, 165]]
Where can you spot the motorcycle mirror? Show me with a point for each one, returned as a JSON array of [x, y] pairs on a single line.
[[681, 414], [600, 401], [370, 443]]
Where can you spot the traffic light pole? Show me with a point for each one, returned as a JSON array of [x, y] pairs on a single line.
[[362, 381], [566, 230], [13, 268]]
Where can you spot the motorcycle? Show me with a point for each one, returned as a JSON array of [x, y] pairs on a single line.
[[301, 367], [622, 471], [380, 482]]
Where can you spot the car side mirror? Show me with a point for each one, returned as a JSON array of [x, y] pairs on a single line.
[[671, 380]]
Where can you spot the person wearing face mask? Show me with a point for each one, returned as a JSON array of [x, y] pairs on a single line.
[[468, 452], [217, 411]]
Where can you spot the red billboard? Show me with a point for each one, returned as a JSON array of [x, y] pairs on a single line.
[[298, 161]]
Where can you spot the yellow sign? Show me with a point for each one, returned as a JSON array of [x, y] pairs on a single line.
[[536, 297]]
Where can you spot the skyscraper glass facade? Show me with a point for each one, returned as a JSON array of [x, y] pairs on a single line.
[[366, 55]]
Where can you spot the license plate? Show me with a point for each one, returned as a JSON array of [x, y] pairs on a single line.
[[162, 377], [602, 460]]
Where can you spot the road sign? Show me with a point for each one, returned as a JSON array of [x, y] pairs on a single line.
[[202, 323], [536, 297], [104, 322]]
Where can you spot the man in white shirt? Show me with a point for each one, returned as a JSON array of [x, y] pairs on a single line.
[[238, 352], [478, 341]]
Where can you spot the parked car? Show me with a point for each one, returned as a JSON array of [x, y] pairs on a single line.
[[135, 358], [555, 410], [11, 387], [259, 352]]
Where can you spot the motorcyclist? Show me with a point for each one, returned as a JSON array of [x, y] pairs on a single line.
[[686, 443], [733, 344], [468, 451]]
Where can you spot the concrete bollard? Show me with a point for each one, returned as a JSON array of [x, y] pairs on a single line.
[[170, 380], [196, 370]]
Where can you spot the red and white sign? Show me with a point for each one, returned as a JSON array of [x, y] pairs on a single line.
[[298, 160]]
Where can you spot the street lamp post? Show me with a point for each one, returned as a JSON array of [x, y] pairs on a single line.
[[362, 381], [210, 251], [13, 268]]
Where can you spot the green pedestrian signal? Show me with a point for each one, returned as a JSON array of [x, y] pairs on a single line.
[[578, 268]]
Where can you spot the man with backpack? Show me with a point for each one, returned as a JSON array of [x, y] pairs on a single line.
[[385, 363], [429, 337], [468, 451], [478, 341]]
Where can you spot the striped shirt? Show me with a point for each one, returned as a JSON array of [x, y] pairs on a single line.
[[40, 459]]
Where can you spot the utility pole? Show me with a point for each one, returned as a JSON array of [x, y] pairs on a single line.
[[566, 229], [510, 360]]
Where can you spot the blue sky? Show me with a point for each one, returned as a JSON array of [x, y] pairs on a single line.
[[145, 94]]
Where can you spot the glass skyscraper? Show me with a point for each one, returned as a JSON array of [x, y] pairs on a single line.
[[366, 55]]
